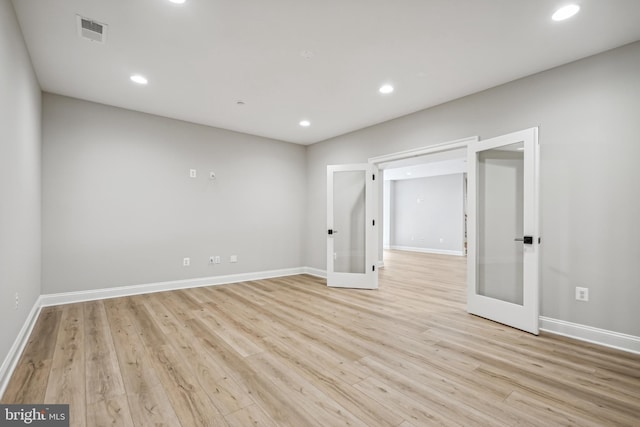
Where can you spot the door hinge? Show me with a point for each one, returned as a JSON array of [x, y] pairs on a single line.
[[373, 268], [374, 223], [373, 177]]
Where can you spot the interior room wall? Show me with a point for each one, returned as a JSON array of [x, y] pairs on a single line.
[[428, 214], [586, 112], [20, 146], [120, 208]]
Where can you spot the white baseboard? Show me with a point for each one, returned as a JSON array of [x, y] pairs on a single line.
[[123, 291], [315, 272], [11, 361], [427, 250], [590, 334], [323, 273]]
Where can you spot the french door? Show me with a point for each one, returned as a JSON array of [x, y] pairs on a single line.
[[351, 226], [503, 282]]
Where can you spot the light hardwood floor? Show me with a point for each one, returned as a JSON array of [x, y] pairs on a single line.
[[292, 352]]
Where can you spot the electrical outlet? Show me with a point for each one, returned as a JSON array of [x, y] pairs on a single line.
[[193, 173], [212, 175], [582, 294], [217, 260], [17, 300], [233, 258], [186, 262]]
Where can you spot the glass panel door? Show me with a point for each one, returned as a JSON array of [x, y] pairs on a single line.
[[350, 226], [503, 230]]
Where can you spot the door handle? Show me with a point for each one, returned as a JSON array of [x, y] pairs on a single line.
[[527, 240]]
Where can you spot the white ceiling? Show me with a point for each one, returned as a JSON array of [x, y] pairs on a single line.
[[203, 56]]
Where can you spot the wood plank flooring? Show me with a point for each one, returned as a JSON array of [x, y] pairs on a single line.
[[291, 352]]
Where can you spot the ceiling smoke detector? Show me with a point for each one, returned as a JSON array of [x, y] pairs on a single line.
[[91, 30]]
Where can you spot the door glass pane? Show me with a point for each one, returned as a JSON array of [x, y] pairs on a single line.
[[500, 221], [349, 221]]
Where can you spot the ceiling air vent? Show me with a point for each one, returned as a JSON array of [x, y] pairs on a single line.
[[91, 30]]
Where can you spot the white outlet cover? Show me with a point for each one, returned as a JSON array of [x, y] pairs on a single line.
[[582, 294], [233, 258], [212, 175], [186, 262], [193, 173]]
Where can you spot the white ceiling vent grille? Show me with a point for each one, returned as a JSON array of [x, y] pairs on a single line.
[[91, 30]]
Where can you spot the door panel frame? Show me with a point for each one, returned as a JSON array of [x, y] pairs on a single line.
[[452, 145], [525, 316], [380, 161], [368, 279]]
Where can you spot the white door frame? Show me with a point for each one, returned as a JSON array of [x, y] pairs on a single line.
[[523, 316], [401, 155], [432, 149], [368, 279]]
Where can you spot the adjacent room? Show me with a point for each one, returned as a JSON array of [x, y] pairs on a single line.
[[233, 213]]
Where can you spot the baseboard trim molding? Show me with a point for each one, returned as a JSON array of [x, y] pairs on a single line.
[[11, 361], [315, 272], [427, 250], [123, 291], [590, 334]]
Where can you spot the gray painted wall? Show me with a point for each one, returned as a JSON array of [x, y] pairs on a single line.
[[19, 180], [426, 210], [119, 207], [587, 112]]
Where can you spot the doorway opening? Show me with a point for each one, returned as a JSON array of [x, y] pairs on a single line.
[[503, 255], [423, 199]]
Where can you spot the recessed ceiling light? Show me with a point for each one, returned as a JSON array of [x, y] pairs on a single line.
[[177, 1], [385, 89], [305, 123], [137, 78], [565, 12]]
